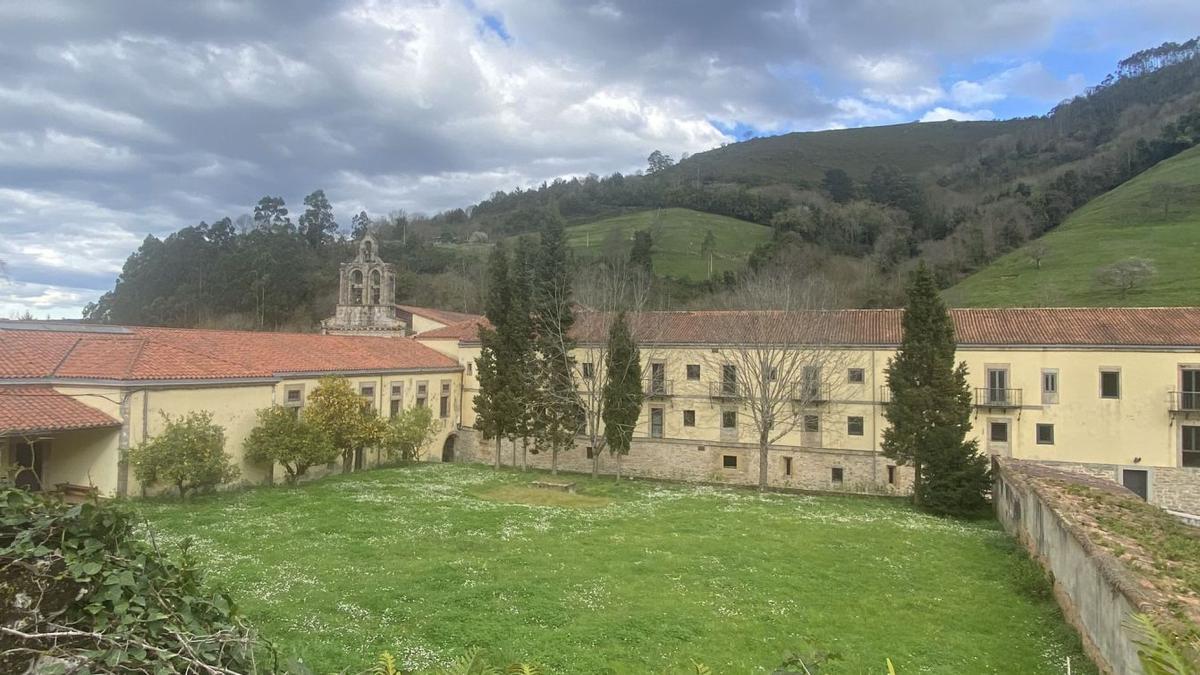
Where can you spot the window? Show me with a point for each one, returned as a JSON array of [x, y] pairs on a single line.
[[997, 386], [998, 432], [376, 287], [810, 383], [589, 370], [367, 391], [729, 461], [837, 474], [729, 419], [729, 380], [689, 418], [1190, 443], [590, 452], [658, 379], [293, 396], [1049, 386], [891, 469], [856, 376], [854, 425], [469, 366], [396, 399], [1110, 384], [656, 423], [693, 371], [422, 393], [812, 423], [444, 403], [356, 287], [1045, 434], [787, 466], [772, 373], [1189, 389]]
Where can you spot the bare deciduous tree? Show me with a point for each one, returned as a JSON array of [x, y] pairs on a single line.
[[1125, 275], [1037, 252], [778, 361]]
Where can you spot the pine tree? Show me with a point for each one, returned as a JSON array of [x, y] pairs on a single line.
[[494, 404], [622, 389], [558, 407], [929, 413]]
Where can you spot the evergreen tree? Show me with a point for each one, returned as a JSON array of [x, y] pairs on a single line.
[[838, 184], [929, 413], [642, 253], [558, 407], [316, 223], [519, 348], [622, 389], [494, 405]]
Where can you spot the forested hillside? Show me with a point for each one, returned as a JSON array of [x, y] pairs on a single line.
[[857, 207]]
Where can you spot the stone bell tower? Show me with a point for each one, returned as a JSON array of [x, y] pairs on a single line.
[[366, 296]]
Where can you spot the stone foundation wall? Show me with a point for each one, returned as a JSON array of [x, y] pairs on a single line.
[[1172, 488], [670, 459]]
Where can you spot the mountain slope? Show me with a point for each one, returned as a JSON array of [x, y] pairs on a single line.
[[804, 156], [1125, 222], [678, 237]]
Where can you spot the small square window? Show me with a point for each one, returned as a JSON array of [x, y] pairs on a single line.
[[693, 371], [729, 419], [729, 461], [998, 432], [1110, 384], [294, 395], [689, 418], [1045, 434], [837, 474], [854, 425], [589, 370], [891, 469], [787, 466], [367, 390], [856, 376], [812, 423]]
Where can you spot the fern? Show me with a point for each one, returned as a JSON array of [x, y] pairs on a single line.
[[385, 665], [524, 669], [1155, 651]]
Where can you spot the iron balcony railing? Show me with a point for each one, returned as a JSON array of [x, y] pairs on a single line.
[[996, 397], [810, 393], [1185, 401], [723, 390], [655, 387]]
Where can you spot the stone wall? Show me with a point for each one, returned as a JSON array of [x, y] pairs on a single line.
[[1176, 489], [1096, 593], [673, 459]]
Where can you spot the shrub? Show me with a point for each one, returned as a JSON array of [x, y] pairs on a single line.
[[282, 436], [189, 454], [407, 434], [84, 593]]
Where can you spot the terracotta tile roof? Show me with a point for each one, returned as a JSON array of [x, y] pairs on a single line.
[[1057, 326], [29, 409], [440, 315], [180, 354], [465, 331]]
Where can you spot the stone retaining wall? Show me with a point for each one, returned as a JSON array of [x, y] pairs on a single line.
[[1095, 591], [1176, 489], [862, 472]]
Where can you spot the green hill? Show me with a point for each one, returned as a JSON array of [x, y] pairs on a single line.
[[1128, 221], [678, 236], [804, 156]]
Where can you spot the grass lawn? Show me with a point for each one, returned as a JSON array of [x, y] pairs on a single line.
[[428, 560], [1127, 221], [678, 236]]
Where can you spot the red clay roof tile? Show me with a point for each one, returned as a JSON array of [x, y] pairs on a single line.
[[29, 409]]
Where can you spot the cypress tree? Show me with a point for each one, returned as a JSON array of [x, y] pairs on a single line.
[[929, 413], [559, 410], [622, 389], [494, 404], [519, 349]]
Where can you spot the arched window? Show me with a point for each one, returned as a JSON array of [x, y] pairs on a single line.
[[356, 287], [376, 287], [367, 251]]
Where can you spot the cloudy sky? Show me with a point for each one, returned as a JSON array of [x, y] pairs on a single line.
[[123, 119]]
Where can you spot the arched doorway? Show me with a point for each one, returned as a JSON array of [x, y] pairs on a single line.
[[448, 448]]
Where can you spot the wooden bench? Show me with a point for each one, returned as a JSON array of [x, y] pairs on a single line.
[[561, 487], [72, 492]]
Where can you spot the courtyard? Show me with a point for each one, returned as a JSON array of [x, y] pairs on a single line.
[[428, 560]]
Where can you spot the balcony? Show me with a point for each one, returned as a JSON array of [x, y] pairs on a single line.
[[1185, 402], [657, 388], [994, 397], [724, 391], [885, 394], [810, 394]]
